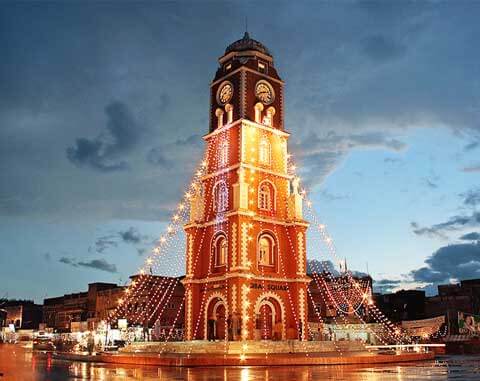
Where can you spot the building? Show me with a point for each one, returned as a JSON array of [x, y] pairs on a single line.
[[64, 313], [157, 303], [246, 277], [22, 314], [454, 298], [402, 305]]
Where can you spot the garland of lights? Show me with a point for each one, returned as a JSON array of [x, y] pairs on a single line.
[[329, 243], [354, 296]]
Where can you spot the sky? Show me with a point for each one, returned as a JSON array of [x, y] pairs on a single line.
[[103, 105]]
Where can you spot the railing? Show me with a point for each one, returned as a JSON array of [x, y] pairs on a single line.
[[407, 347]]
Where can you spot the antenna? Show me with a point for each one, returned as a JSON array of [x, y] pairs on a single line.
[[246, 24]]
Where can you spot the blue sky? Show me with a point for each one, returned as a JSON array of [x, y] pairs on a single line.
[[102, 103]]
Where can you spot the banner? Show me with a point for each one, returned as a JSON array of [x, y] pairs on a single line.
[[468, 324], [423, 327]]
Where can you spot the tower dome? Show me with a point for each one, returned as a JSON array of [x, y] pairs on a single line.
[[247, 43]]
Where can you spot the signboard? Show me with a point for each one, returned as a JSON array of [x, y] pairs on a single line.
[[271, 287], [122, 323], [423, 327], [468, 324]]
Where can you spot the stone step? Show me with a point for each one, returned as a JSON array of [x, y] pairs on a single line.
[[238, 347]]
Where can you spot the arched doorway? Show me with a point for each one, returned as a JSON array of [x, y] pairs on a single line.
[[270, 317], [216, 319], [266, 321], [220, 322]]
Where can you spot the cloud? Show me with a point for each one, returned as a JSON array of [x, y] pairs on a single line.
[[386, 285], [473, 168], [454, 223], [382, 48], [332, 196], [471, 146], [321, 154], [103, 153], [99, 264], [131, 235], [391, 160], [105, 242], [156, 156], [161, 155], [472, 197], [141, 251], [68, 261], [316, 266], [458, 261], [431, 183], [473, 236]]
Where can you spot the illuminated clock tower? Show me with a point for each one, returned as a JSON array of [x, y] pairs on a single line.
[[246, 245]]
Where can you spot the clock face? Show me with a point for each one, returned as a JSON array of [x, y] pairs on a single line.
[[264, 92], [225, 93]]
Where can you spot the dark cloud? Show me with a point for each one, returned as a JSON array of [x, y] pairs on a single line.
[[99, 264], [382, 48], [131, 235], [316, 266], [454, 223], [156, 156], [383, 282], [192, 140], [68, 261], [471, 146], [473, 236], [472, 197], [141, 251], [105, 242], [431, 183], [458, 261], [321, 154], [473, 168], [391, 160], [332, 196], [386, 285], [160, 156], [331, 86], [103, 153]]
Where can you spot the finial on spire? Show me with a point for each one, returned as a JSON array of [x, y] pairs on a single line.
[[246, 36]]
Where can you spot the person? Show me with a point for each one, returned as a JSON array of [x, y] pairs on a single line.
[[90, 344]]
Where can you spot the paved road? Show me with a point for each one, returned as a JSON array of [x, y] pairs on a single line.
[[18, 363]]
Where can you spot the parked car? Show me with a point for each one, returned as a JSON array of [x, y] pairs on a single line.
[[43, 343]]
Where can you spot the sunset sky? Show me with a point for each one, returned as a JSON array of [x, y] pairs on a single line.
[[103, 106]]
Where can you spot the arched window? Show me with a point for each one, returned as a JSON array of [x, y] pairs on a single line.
[[220, 248], [223, 154], [268, 118], [266, 196], [220, 194], [264, 152], [266, 250]]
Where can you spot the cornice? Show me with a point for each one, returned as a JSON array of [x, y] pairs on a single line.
[[249, 276], [247, 213]]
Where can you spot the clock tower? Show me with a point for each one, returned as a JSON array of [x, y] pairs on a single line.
[[246, 245]]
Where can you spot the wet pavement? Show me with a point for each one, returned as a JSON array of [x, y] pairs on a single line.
[[18, 363]]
